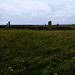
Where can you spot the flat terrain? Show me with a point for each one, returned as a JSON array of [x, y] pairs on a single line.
[[39, 27], [37, 52]]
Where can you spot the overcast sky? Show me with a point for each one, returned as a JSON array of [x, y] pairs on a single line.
[[37, 11]]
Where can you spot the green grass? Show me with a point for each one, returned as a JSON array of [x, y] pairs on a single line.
[[37, 52]]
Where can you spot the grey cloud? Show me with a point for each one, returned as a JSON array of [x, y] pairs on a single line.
[[37, 12]]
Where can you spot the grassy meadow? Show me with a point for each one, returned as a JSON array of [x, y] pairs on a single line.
[[37, 52]]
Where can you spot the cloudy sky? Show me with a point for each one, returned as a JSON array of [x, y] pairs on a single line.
[[37, 11]]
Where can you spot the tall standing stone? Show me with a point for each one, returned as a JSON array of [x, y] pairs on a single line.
[[49, 23], [9, 23]]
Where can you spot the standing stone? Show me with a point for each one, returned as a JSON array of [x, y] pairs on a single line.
[[49, 23], [9, 23]]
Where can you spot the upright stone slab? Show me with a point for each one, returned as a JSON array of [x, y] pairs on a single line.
[[49, 23], [9, 23]]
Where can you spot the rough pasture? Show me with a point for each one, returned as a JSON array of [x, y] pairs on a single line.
[[37, 52]]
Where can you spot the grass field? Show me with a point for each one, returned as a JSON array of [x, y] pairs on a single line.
[[37, 52]]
